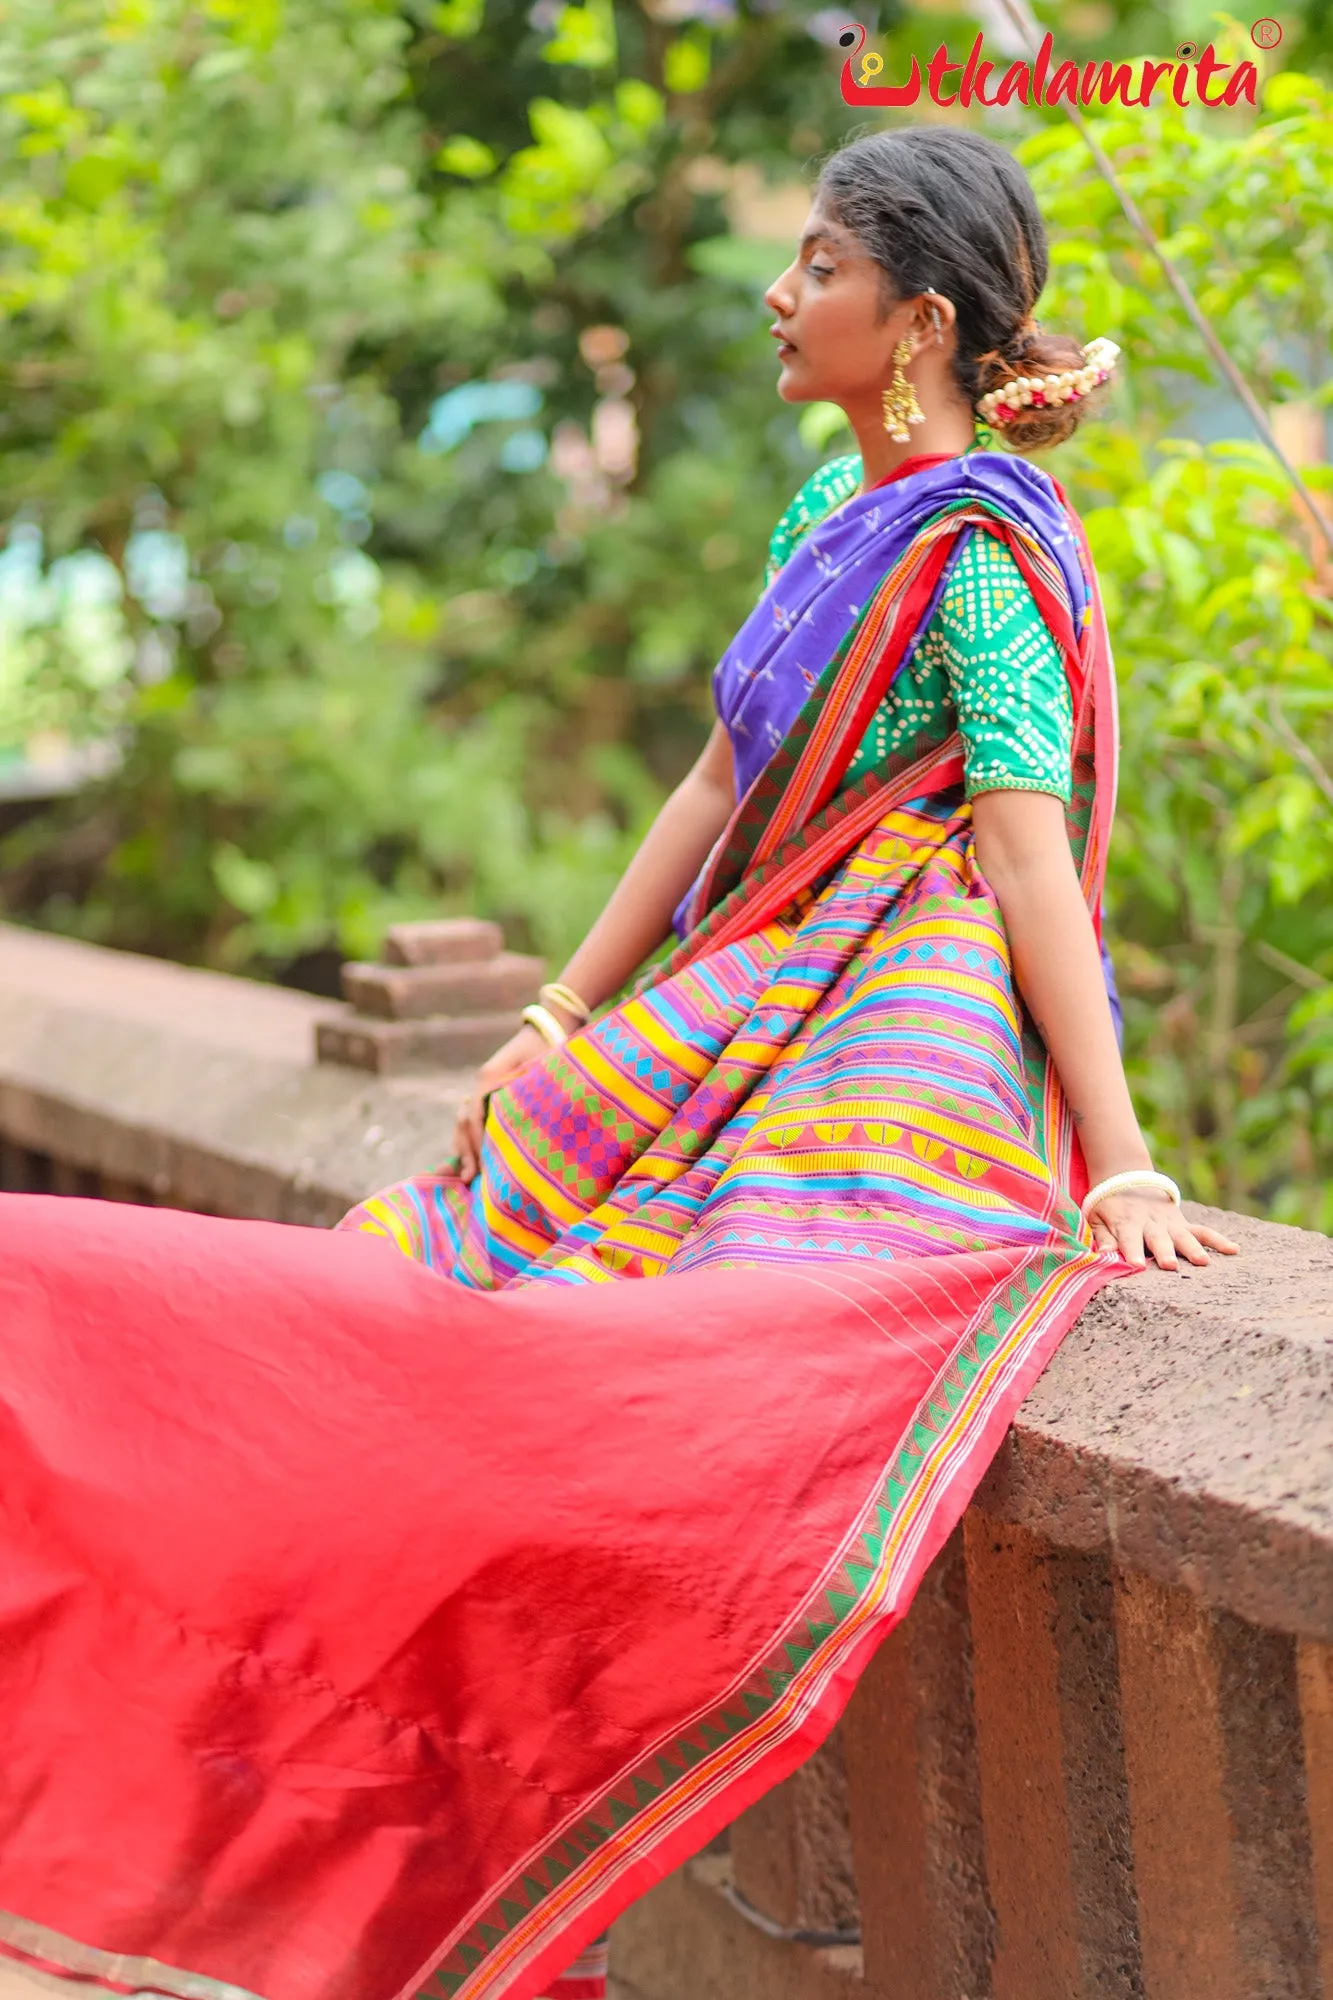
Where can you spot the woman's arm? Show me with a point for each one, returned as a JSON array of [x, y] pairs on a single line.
[[638, 915], [1024, 854], [636, 918]]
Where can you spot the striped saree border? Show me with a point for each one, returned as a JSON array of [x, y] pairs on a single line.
[[880, 645], [674, 1794], [809, 854], [844, 709], [800, 780], [764, 817]]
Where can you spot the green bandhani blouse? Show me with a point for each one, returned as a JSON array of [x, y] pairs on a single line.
[[986, 661]]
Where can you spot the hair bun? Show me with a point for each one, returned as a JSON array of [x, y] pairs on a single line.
[[1029, 354]]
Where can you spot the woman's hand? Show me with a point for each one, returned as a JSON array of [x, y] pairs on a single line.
[[1139, 1220], [507, 1062], [1023, 852]]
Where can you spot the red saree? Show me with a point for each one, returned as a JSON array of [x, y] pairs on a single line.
[[367, 1633]]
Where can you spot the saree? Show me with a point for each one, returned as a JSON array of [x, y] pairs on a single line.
[[377, 1625]]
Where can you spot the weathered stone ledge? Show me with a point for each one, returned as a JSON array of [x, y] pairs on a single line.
[[196, 1090], [1186, 1425]]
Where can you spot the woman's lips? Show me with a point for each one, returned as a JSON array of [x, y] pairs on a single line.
[[786, 348]]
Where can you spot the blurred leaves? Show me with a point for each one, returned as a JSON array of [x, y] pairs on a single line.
[[1218, 596], [292, 312], [585, 35]]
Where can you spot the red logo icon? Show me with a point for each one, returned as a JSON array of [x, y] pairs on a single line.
[[1266, 33], [863, 89]]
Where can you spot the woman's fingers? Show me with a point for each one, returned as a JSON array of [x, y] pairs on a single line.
[[468, 1140], [1160, 1245], [521, 1049], [1213, 1239], [1186, 1242], [1129, 1239], [1141, 1225]]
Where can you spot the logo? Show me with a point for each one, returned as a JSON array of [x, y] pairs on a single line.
[[1041, 80]]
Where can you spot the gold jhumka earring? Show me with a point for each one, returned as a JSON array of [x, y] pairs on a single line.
[[901, 407]]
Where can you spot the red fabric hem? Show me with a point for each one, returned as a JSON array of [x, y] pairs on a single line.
[[682, 1843]]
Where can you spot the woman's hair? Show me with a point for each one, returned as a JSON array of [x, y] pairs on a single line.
[[945, 210]]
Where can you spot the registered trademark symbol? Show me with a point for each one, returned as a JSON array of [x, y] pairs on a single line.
[[1266, 33]]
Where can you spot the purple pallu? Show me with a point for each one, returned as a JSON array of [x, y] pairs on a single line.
[[770, 667], [798, 624]]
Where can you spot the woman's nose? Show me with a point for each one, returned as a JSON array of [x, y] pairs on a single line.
[[779, 297]]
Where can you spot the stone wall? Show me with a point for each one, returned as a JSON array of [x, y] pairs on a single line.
[[1097, 1757], [145, 1081]]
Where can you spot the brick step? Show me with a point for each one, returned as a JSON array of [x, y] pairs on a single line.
[[411, 992], [388, 1048], [442, 941]]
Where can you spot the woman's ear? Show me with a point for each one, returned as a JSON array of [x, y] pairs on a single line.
[[940, 315]]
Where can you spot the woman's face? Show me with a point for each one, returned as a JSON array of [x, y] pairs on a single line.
[[835, 336]]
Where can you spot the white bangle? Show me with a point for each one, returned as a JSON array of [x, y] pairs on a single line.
[[1136, 1177], [544, 1021]]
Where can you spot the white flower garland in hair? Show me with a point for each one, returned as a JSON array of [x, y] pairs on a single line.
[[1044, 392]]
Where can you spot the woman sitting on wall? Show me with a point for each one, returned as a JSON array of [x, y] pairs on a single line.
[[365, 1632]]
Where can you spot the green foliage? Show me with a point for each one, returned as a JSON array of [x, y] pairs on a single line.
[[200, 241], [1218, 596], [391, 448], [585, 35], [246, 251]]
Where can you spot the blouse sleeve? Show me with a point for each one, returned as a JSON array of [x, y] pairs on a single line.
[[824, 490], [1005, 674]]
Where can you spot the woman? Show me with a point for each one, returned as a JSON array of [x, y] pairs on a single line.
[[397, 1633]]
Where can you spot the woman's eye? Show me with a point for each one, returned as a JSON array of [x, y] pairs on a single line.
[[820, 270]]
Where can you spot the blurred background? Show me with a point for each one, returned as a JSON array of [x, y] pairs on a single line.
[[388, 448]]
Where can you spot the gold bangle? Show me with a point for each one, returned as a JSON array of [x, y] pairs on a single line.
[[555, 994], [546, 1025]]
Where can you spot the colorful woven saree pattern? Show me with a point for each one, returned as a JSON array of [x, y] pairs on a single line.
[[857, 969], [848, 1081]]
